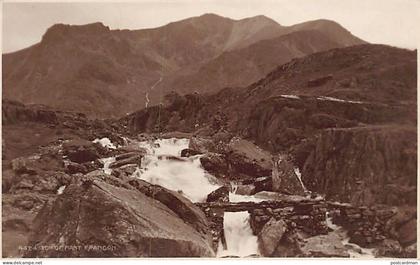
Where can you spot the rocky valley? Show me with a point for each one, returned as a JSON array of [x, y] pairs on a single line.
[[209, 137]]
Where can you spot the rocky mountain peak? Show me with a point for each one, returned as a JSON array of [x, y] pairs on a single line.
[[58, 31], [261, 19]]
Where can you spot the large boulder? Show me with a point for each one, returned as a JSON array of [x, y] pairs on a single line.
[[81, 151], [180, 205], [329, 245], [403, 225], [388, 248], [248, 159], [410, 251], [45, 182], [136, 160], [270, 236], [285, 178], [219, 195], [215, 164], [100, 220], [407, 233], [237, 160], [202, 145], [263, 184], [34, 164], [189, 152]]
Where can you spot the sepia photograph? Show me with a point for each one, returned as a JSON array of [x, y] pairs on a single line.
[[212, 129]]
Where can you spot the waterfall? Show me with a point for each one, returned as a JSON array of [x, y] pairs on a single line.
[[239, 238], [299, 177], [151, 88], [107, 161], [354, 250], [163, 166], [185, 175]]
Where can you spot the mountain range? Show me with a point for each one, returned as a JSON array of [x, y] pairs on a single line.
[[108, 73]]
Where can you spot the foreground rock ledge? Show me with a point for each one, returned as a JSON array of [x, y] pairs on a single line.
[[100, 220]]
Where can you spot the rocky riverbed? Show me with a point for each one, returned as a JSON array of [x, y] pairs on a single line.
[[151, 196]]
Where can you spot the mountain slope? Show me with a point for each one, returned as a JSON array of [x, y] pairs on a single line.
[[107, 73], [347, 116], [247, 65], [352, 86]]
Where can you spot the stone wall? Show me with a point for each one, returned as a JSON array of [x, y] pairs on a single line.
[[307, 217], [370, 226]]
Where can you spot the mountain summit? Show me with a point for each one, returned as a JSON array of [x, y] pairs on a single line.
[[108, 73]]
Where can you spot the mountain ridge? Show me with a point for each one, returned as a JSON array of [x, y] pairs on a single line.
[[107, 73]]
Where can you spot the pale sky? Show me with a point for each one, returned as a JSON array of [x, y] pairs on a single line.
[[393, 22]]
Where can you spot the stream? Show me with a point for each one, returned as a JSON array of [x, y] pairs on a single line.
[[163, 165]]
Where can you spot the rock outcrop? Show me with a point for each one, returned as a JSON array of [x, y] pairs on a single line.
[[363, 165], [284, 177], [219, 195], [81, 151], [270, 236], [237, 159], [101, 220]]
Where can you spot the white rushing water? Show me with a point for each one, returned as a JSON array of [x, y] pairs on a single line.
[[105, 142], [107, 161], [163, 166], [239, 238], [233, 197], [299, 177], [355, 251], [61, 189], [151, 88]]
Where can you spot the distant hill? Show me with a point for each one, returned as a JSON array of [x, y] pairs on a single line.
[[108, 73]]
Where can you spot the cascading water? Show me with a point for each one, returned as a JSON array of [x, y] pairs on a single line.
[[234, 197], [107, 161], [238, 234], [299, 177], [355, 251], [163, 166]]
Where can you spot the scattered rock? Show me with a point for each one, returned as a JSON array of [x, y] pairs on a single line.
[[23, 165], [407, 233], [81, 151], [270, 236], [124, 171], [171, 157], [215, 164], [324, 246], [245, 189], [202, 145], [219, 195], [130, 160], [73, 168], [389, 248], [410, 251], [189, 152], [263, 184]]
